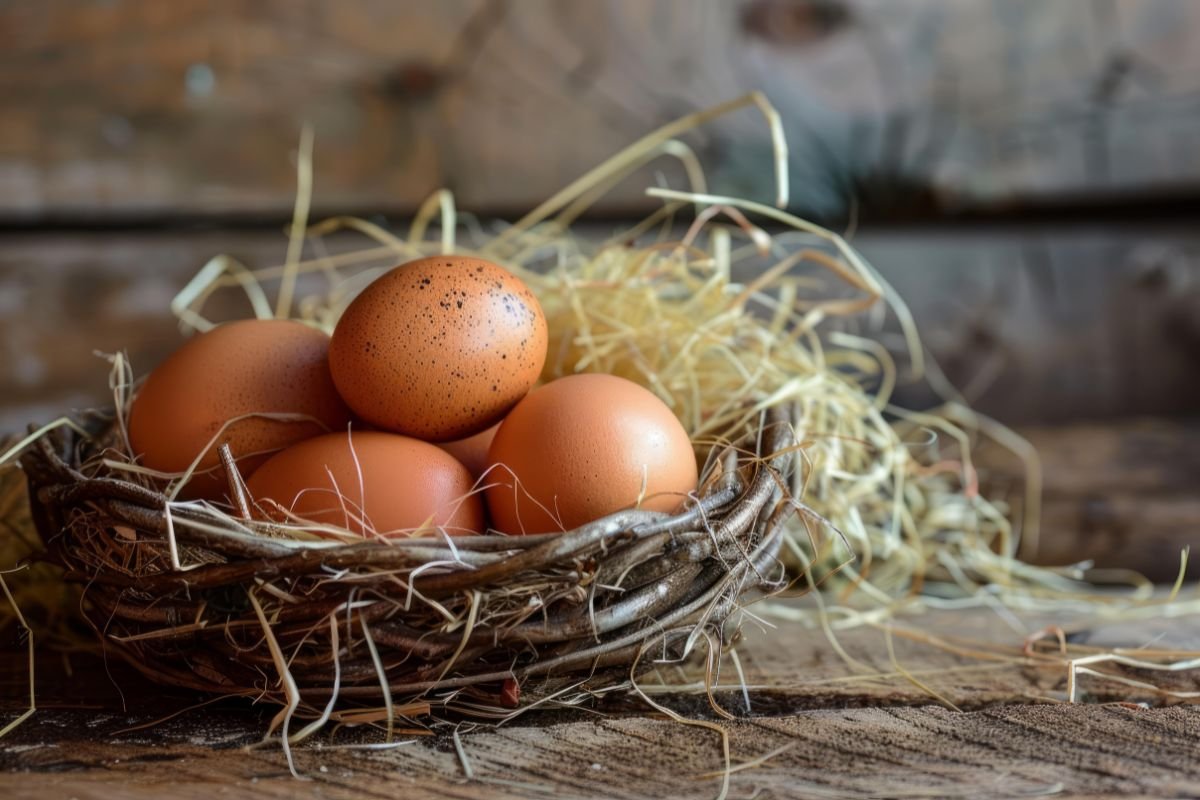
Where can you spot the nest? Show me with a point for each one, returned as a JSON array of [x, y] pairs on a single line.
[[193, 597]]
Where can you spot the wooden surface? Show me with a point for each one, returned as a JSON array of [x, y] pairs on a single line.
[[118, 110], [1007, 752], [828, 730], [1124, 495]]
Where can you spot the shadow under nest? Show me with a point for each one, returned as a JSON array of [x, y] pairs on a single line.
[[476, 625]]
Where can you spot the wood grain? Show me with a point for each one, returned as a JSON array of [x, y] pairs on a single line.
[[1057, 324], [1006, 752], [1082, 323], [1125, 495], [117, 110], [827, 729]]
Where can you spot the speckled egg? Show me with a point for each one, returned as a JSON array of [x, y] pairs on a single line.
[[368, 482], [235, 369], [439, 348], [582, 447]]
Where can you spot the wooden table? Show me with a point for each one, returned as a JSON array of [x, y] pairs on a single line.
[[815, 727]]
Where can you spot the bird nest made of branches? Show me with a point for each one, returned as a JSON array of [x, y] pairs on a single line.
[[194, 597]]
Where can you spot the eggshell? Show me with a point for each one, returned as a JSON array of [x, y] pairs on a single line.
[[580, 448], [439, 348], [245, 367], [369, 481], [472, 451]]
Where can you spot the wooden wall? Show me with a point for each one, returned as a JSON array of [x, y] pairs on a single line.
[[135, 108], [1084, 323]]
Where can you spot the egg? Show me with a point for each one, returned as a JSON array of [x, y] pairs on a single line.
[[369, 482], [472, 451], [235, 369], [582, 447], [439, 348]]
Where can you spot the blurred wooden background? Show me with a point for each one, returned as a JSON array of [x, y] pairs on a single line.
[[1026, 173], [907, 107]]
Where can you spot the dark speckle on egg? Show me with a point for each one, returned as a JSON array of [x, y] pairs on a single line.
[[469, 315]]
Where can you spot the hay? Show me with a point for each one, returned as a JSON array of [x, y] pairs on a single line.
[[721, 323]]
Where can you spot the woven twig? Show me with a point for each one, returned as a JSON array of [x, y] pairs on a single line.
[[434, 614]]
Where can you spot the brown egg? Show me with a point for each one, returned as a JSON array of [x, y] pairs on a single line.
[[369, 483], [439, 348], [580, 448], [472, 452], [239, 368]]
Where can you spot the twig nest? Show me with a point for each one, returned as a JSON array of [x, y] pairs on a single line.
[[195, 597]]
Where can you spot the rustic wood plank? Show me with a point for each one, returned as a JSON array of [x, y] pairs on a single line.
[[1052, 325], [1125, 494], [1034, 326], [65, 297], [120, 109], [926, 752]]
